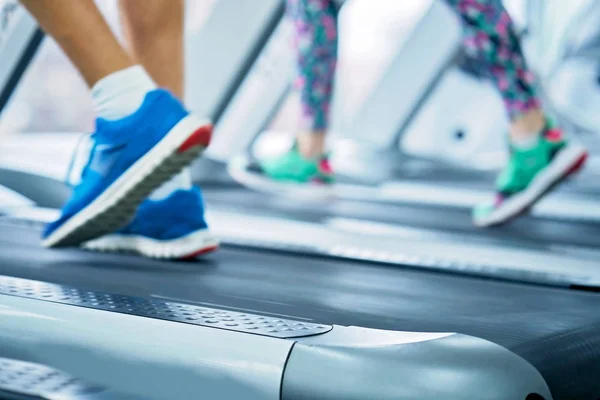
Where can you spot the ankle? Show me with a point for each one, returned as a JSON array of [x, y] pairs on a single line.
[[311, 144], [527, 126]]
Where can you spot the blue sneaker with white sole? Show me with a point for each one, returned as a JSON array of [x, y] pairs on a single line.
[[171, 228], [129, 158]]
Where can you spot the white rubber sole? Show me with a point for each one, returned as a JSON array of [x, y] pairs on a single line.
[[307, 191], [192, 245], [117, 205], [568, 161]]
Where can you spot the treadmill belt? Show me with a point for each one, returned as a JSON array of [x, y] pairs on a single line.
[[556, 330], [526, 231]]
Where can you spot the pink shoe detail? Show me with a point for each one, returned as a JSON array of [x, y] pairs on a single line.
[[553, 135], [325, 166], [499, 200]]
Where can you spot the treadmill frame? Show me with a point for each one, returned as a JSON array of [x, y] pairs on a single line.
[[17, 49], [174, 358]]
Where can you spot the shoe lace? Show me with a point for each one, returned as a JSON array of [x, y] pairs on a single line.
[[89, 138]]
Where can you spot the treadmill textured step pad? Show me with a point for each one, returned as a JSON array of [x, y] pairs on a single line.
[[31, 379], [158, 309]]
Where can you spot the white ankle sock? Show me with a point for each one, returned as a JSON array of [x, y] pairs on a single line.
[[120, 94]]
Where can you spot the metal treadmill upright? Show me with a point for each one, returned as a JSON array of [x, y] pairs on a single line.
[[20, 37]]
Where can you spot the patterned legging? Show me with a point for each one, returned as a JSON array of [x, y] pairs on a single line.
[[489, 36]]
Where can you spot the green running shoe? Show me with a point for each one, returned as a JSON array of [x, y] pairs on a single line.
[[529, 175], [290, 173]]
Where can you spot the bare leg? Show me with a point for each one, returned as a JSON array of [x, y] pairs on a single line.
[[527, 124], [81, 31], [154, 33]]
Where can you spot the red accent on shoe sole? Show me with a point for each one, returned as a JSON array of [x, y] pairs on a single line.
[[200, 137], [578, 165], [201, 252], [574, 168]]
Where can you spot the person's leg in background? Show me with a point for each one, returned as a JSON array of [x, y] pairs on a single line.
[[143, 135], [315, 43], [170, 224], [540, 157]]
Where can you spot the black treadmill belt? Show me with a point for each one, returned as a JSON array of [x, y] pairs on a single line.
[[556, 330], [526, 231]]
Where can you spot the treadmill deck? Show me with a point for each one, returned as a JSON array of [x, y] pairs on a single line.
[[556, 330]]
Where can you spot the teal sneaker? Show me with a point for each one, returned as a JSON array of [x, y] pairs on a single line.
[[529, 175], [290, 173]]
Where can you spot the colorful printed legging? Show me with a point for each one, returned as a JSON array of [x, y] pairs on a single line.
[[489, 36]]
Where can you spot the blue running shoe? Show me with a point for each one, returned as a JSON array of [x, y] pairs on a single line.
[[129, 158], [172, 228]]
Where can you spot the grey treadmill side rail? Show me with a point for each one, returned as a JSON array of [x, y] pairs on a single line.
[[422, 58], [221, 54], [164, 359], [17, 46], [454, 367], [144, 357]]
